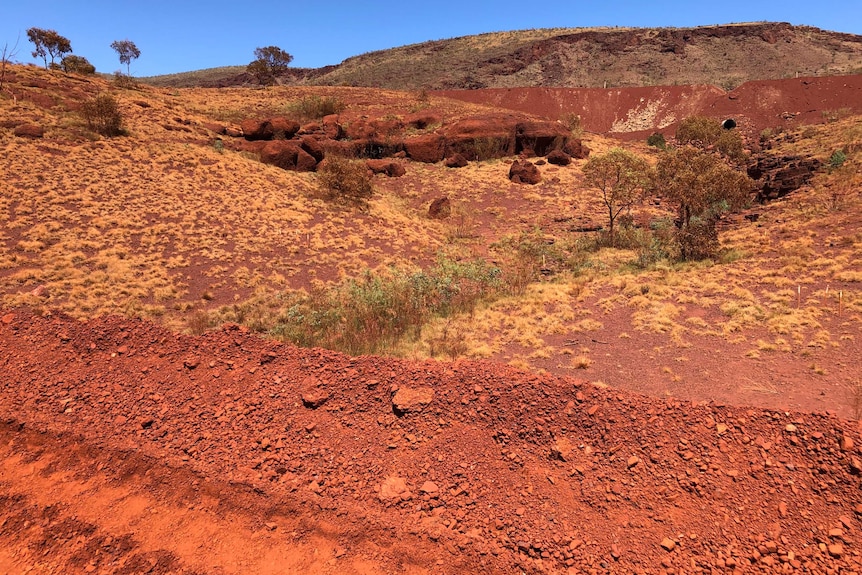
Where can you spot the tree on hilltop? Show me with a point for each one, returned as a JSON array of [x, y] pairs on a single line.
[[48, 43], [127, 52], [269, 63]]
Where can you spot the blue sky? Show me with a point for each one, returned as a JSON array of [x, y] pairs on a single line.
[[180, 36]]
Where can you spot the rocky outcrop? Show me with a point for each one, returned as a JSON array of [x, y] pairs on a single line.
[[428, 148], [777, 176], [559, 158], [288, 155], [456, 161], [31, 131]]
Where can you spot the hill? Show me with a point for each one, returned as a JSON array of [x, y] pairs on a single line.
[[723, 56]]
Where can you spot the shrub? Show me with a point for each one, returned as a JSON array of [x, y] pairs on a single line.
[[837, 159], [123, 81], [315, 107], [573, 123], [369, 314], [269, 63], [698, 131], [344, 181], [77, 65], [103, 116], [657, 140]]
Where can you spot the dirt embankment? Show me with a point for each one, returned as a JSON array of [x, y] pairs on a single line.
[[633, 112], [127, 448]]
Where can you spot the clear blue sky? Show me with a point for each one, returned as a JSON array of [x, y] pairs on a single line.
[[178, 36]]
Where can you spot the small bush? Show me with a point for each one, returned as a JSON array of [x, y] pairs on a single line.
[[572, 121], [72, 64], [657, 140], [124, 81], [837, 159], [344, 181], [316, 107], [371, 313], [103, 116]]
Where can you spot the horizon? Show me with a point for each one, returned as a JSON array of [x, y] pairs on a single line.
[[183, 37]]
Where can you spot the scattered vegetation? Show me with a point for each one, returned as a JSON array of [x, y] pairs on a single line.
[[103, 115], [707, 134], [371, 313], [314, 107], [345, 181]]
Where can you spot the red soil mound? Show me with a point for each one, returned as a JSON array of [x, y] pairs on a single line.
[[375, 465], [637, 111]]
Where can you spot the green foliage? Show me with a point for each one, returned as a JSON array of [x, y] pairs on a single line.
[[529, 256], [657, 140], [707, 133], [369, 314], [837, 159], [345, 181], [103, 116], [314, 107], [703, 186], [269, 63], [127, 51], [77, 65], [621, 178], [48, 43], [486, 148]]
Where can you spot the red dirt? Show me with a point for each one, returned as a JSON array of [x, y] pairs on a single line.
[[128, 448], [636, 112]]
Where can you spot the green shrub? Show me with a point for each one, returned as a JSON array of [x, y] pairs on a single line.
[[657, 140], [369, 314], [103, 115], [345, 181], [837, 159]]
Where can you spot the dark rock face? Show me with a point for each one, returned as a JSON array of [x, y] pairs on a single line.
[[778, 176]]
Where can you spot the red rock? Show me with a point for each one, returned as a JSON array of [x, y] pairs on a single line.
[[408, 399], [282, 128], [440, 208], [332, 128], [576, 149], [524, 173], [257, 129], [456, 161], [312, 147], [846, 443], [390, 168], [430, 488], [559, 158], [29, 131], [394, 488], [429, 148]]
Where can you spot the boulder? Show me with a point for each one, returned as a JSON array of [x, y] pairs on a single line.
[[29, 131], [288, 155], [410, 399], [257, 129], [777, 176], [305, 162], [429, 148], [390, 168], [576, 149], [524, 173], [233, 132], [440, 208], [313, 393], [283, 128], [456, 161], [215, 128], [332, 128], [312, 147], [559, 158]]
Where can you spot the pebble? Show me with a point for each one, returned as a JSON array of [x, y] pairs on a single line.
[[668, 544]]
